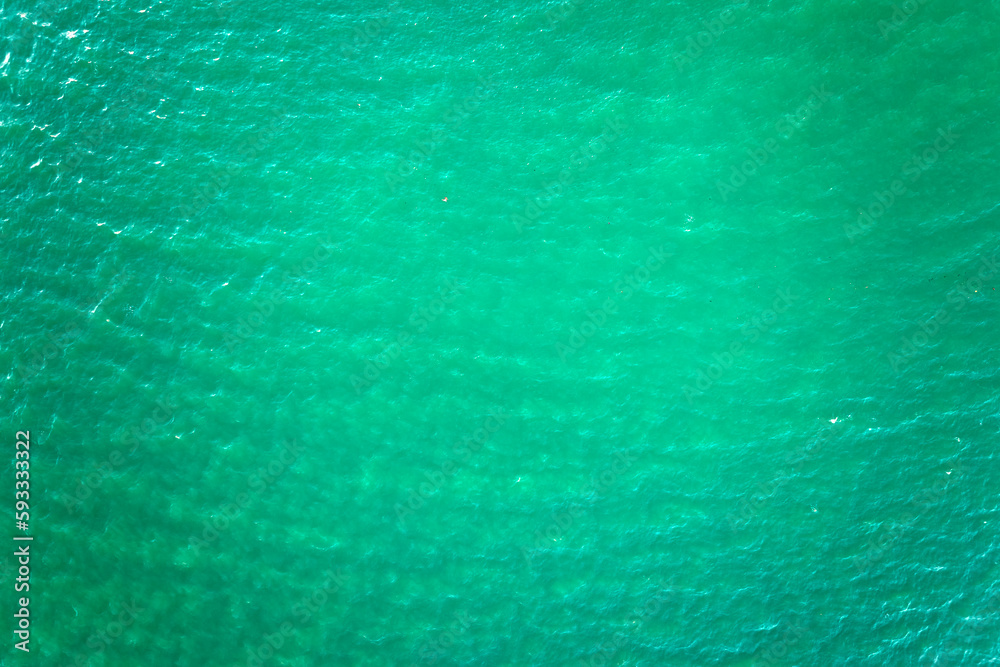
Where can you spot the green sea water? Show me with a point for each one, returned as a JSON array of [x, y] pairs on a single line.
[[590, 333]]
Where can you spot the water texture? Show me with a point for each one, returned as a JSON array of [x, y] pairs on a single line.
[[590, 333]]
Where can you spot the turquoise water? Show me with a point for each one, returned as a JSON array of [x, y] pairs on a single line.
[[579, 334]]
